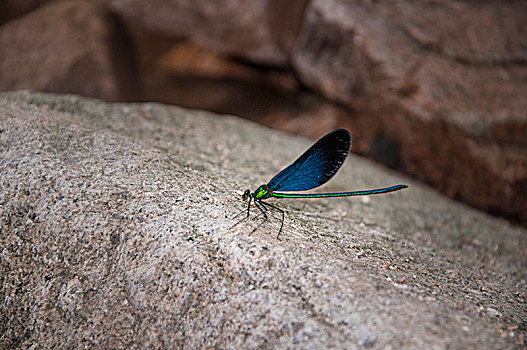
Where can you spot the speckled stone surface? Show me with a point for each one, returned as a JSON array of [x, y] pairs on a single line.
[[115, 233]]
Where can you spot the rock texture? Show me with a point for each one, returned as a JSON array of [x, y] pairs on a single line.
[[115, 233], [191, 76], [261, 31], [441, 87], [10, 9], [435, 89], [66, 46]]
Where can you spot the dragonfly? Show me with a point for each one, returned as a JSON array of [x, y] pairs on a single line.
[[313, 168]]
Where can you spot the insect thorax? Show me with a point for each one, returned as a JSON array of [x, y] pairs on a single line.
[[263, 192]]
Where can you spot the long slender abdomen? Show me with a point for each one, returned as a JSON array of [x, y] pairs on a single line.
[[338, 194]]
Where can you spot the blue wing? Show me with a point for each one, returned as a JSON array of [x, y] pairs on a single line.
[[316, 166]]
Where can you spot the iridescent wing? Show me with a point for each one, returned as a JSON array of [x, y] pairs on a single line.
[[316, 166]]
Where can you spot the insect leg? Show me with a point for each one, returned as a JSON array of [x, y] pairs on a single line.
[[281, 211], [262, 210], [243, 211]]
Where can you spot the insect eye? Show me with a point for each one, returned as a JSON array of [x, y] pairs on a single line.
[[246, 194]]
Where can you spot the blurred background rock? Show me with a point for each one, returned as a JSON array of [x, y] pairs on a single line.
[[435, 89]]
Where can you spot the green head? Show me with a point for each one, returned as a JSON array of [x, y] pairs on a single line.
[[262, 192]]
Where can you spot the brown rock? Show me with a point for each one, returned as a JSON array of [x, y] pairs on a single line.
[[65, 46], [10, 9], [192, 76], [261, 31], [441, 87]]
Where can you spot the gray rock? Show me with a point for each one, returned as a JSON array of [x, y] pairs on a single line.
[[115, 233]]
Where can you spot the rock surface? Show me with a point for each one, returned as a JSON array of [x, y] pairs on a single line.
[[65, 46], [10, 9], [435, 89], [440, 86], [115, 233], [261, 31]]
